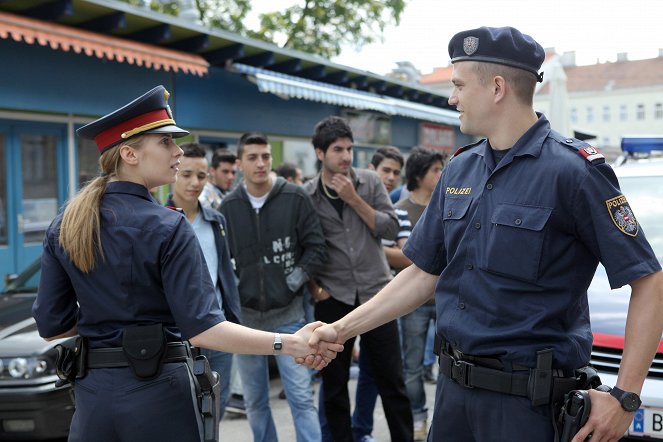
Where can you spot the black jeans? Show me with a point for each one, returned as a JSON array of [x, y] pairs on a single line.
[[382, 345]]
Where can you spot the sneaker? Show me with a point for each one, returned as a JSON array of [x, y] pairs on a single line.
[[367, 438], [235, 404], [282, 394], [420, 431]]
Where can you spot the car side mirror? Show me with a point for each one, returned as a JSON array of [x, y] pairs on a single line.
[[10, 277]]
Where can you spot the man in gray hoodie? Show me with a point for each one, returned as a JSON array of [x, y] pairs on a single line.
[[278, 245]]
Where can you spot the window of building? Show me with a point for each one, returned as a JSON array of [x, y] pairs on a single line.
[[590, 114], [606, 114], [623, 112], [640, 112], [658, 111], [574, 115]]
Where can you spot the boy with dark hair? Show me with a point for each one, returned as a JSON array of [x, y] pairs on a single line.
[[222, 174], [422, 169], [355, 213], [209, 226], [277, 242]]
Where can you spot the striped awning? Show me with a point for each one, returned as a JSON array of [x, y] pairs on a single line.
[[288, 86], [67, 39]]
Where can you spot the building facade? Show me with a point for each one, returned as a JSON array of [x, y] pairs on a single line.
[[71, 61]]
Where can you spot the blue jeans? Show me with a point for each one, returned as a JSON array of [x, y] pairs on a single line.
[[429, 357], [414, 327], [221, 362], [296, 380], [365, 398]]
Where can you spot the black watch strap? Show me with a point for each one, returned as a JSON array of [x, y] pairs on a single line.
[[628, 400]]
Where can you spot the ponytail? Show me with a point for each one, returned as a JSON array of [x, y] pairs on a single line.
[[80, 232]]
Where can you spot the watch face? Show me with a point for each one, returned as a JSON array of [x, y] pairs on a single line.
[[631, 402], [278, 346]]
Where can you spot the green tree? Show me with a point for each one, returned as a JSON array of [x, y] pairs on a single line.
[[320, 27]]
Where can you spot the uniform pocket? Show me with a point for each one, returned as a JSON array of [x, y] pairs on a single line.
[[515, 240]]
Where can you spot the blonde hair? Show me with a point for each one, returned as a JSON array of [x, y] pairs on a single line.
[[80, 233], [522, 81]]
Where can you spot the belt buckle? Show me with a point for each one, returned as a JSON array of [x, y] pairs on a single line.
[[460, 372]]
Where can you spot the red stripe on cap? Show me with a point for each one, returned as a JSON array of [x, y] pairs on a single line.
[[114, 134], [615, 341]]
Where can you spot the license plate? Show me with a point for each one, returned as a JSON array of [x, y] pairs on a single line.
[[647, 422]]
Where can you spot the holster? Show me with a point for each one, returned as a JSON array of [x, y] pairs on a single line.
[[574, 414], [144, 346], [208, 385], [70, 362]]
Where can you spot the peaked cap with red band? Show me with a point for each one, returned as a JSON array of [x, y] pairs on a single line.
[[147, 114]]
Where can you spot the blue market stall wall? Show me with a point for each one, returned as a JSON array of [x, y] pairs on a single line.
[[44, 93]]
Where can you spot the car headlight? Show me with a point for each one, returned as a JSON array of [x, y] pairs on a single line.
[[24, 368]]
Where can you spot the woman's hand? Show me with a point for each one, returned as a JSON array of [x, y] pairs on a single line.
[[317, 356]]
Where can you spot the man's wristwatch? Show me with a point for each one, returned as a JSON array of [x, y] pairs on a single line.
[[277, 346], [628, 400]]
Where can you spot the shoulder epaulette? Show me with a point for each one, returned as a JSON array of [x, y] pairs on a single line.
[[588, 152], [464, 148]]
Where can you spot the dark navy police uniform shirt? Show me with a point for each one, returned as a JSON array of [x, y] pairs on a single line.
[[153, 271], [516, 246]]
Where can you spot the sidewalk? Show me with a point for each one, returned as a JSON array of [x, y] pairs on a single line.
[[237, 429]]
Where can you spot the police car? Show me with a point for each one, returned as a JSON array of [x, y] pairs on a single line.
[[31, 406], [640, 175]]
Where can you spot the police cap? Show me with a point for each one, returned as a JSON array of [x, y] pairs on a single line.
[[506, 45], [147, 114]]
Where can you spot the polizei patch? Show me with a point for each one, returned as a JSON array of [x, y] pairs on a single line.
[[622, 215]]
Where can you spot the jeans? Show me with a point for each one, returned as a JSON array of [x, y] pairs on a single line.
[[429, 356], [221, 362], [296, 379], [365, 398], [414, 329]]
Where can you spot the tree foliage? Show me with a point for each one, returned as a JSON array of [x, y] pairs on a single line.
[[320, 27]]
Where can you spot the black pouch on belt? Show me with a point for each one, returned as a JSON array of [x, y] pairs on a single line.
[[144, 347]]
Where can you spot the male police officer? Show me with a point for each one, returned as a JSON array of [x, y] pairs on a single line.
[[509, 244]]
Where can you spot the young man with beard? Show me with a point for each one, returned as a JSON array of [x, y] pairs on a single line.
[[277, 242], [355, 212]]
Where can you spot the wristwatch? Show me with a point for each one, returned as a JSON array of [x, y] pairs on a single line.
[[277, 346], [628, 400]]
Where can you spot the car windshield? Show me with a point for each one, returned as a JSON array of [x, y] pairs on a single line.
[[644, 196]]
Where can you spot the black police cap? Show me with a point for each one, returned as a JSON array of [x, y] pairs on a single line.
[[506, 45], [147, 114]]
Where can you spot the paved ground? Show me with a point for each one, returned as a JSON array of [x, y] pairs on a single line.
[[237, 430]]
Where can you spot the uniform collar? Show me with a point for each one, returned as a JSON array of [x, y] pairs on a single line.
[[530, 143], [129, 188]]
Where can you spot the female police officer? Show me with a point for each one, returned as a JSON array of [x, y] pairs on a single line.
[[129, 277]]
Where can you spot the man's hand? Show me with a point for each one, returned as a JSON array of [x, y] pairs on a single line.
[[315, 356], [344, 187], [607, 422]]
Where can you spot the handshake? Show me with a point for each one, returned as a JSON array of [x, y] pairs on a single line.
[[316, 345]]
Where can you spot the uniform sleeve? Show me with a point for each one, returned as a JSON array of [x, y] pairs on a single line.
[[187, 284], [425, 247], [608, 227], [386, 222], [55, 309]]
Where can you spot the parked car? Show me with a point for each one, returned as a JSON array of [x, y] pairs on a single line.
[[31, 406], [642, 183]]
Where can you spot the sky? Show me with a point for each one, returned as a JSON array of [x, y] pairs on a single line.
[[595, 29]]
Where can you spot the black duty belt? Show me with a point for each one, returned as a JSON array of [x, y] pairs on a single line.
[[113, 357], [471, 375]]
